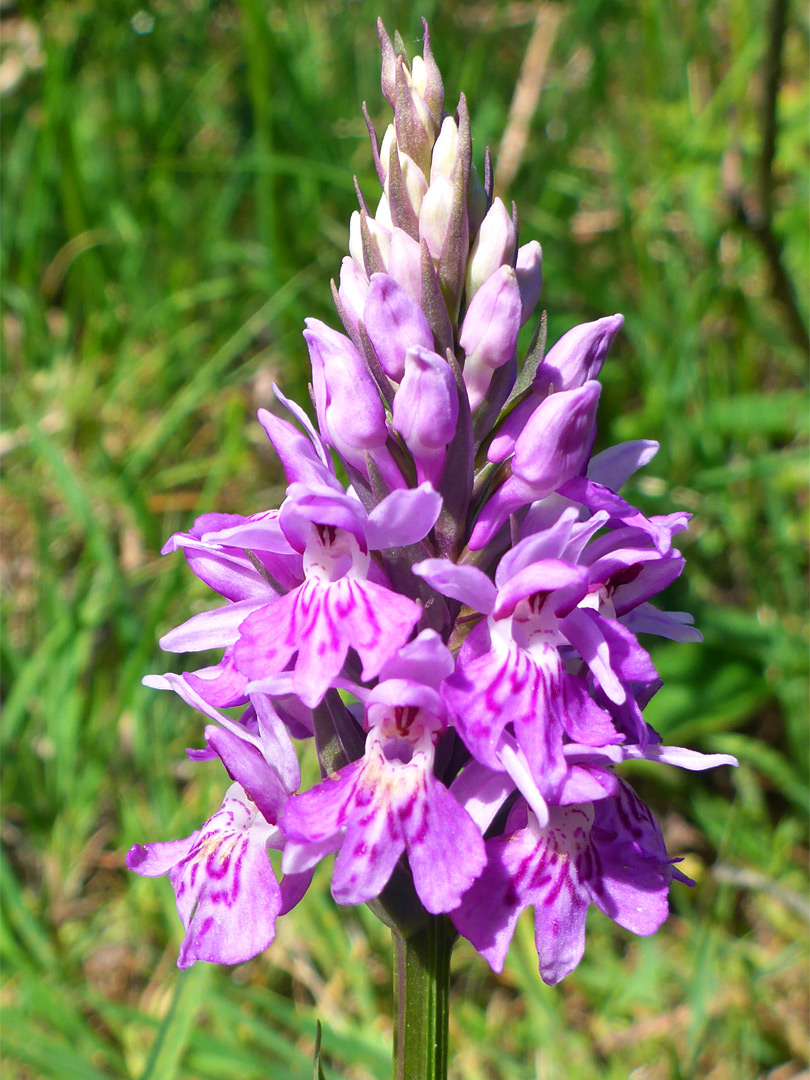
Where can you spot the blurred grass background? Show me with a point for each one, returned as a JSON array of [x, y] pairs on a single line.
[[177, 183]]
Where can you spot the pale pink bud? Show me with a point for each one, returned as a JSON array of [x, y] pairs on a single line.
[[405, 263], [445, 150], [494, 245], [414, 180], [394, 322], [382, 215], [490, 330], [380, 238], [426, 411], [434, 214], [529, 270], [352, 291]]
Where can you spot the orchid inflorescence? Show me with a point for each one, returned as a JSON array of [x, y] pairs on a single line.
[[456, 628]]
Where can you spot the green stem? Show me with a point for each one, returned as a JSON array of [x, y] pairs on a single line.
[[421, 1000]]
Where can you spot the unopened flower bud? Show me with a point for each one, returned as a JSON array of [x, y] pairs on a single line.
[[494, 245], [426, 411], [382, 215], [394, 322], [552, 448], [414, 181], [529, 268], [350, 412], [434, 214], [352, 291], [445, 150], [490, 330], [389, 140], [557, 439], [405, 263], [380, 237], [577, 357]]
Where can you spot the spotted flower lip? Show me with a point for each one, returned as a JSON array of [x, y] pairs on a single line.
[[227, 895], [609, 853], [389, 803], [445, 607]]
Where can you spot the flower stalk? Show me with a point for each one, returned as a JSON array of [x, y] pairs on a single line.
[[422, 1001]]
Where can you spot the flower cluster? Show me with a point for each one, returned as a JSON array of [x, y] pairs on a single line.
[[455, 628]]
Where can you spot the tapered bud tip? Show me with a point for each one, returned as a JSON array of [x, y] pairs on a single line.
[[494, 245], [578, 356], [529, 268]]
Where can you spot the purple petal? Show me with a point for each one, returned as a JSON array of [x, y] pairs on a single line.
[[318, 814], [586, 784], [489, 911], [559, 925], [370, 851], [378, 621], [293, 887], [267, 637], [589, 641], [630, 662], [180, 685], [276, 744], [596, 497], [445, 848], [426, 659], [210, 629], [154, 860], [566, 584], [481, 792], [614, 466], [583, 720], [675, 625], [503, 444], [467, 584], [261, 532], [231, 575], [680, 756], [245, 764], [220, 685], [635, 871], [300, 459], [403, 517], [227, 895], [548, 544], [203, 524], [235, 916]]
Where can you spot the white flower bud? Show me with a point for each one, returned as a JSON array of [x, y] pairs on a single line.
[[445, 150], [434, 214]]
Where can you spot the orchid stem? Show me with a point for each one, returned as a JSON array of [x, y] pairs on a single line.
[[421, 999]]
